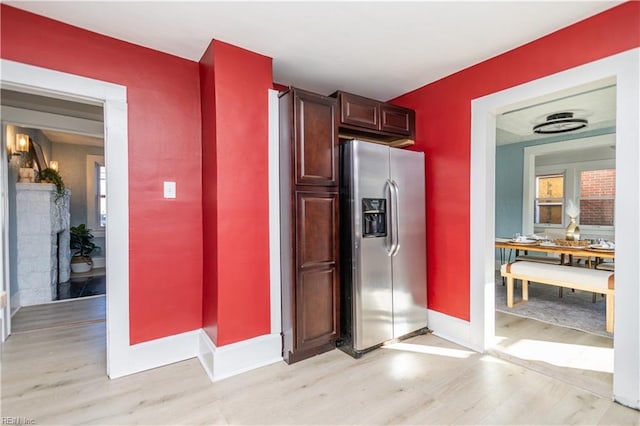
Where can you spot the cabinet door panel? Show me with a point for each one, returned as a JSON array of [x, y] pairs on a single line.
[[317, 266], [359, 111], [316, 140], [317, 316], [396, 120], [317, 228]]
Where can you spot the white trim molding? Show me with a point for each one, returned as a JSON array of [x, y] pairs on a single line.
[[229, 360], [625, 69], [451, 328], [153, 354], [274, 213]]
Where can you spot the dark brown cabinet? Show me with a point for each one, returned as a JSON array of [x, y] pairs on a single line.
[[378, 120], [398, 120], [358, 111], [309, 223]]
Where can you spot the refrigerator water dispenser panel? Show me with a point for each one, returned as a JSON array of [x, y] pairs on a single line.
[[374, 217]]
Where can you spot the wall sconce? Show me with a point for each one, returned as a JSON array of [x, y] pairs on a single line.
[[22, 143], [53, 165]]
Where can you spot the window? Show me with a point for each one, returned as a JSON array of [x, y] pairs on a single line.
[[571, 167], [96, 194], [549, 202], [591, 184], [597, 197], [102, 195]]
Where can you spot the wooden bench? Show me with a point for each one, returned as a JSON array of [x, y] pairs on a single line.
[[562, 276]]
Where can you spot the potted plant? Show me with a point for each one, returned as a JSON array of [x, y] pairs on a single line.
[[52, 176], [81, 246]]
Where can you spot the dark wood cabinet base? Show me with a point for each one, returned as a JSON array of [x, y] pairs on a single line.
[[298, 355]]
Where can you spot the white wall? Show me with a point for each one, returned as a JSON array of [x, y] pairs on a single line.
[[72, 160]]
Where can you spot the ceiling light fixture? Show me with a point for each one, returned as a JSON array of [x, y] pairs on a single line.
[[559, 123]]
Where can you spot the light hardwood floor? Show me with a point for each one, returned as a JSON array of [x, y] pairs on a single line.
[[60, 314], [57, 376], [582, 359]]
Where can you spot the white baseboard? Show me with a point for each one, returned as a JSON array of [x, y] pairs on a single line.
[[155, 353], [627, 402], [226, 361], [451, 328]]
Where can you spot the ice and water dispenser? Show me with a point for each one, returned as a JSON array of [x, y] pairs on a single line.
[[374, 217]]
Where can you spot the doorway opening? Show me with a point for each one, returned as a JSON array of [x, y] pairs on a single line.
[[112, 97], [56, 231], [624, 67], [538, 177]]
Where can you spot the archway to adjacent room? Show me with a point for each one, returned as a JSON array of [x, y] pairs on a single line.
[[624, 68], [66, 137], [39, 81], [561, 334]]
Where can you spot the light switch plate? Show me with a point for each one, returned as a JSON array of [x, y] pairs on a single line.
[[169, 190]]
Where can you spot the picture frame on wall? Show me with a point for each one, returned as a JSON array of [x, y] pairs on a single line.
[[39, 159]]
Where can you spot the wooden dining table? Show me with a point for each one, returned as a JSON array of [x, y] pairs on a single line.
[[506, 243]]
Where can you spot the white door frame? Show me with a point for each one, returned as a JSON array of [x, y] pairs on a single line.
[[5, 314], [625, 68], [30, 79]]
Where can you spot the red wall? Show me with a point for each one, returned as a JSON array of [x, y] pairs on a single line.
[[443, 129], [209, 195], [234, 86], [165, 236]]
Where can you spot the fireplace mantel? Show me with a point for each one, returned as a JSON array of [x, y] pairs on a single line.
[[42, 242]]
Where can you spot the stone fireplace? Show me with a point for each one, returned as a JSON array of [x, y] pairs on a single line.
[[42, 242]]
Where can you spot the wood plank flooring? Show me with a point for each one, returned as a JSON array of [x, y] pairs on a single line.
[[581, 359], [59, 314], [57, 376]]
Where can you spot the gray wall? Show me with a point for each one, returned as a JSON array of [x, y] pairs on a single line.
[[509, 170], [72, 160]]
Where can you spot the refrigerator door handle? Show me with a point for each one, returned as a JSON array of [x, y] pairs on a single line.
[[388, 188], [395, 225]]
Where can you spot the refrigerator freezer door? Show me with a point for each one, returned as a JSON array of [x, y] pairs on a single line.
[[409, 262], [373, 308]]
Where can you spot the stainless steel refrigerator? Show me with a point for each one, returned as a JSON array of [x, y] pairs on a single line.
[[383, 239]]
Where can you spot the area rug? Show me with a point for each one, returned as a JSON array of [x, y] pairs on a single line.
[[574, 310]]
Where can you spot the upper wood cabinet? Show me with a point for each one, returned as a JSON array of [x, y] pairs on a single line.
[[374, 118], [395, 119], [358, 111], [314, 125]]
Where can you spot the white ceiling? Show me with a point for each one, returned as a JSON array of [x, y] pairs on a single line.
[[595, 102], [375, 49], [72, 138]]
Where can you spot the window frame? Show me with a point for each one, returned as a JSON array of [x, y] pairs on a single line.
[[93, 162], [571, 172], [562, 200]]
